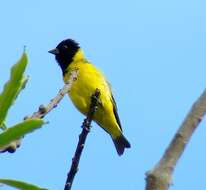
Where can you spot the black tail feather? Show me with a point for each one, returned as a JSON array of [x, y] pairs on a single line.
[[120, 144]]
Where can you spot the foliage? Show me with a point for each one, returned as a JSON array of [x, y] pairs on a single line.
[[10, 137], [12, 88], [20, 184], [19, 130]]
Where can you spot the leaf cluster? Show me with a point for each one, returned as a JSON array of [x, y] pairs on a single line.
[[10, 137]]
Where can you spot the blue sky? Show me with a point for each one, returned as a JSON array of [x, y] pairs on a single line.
[[153, 54]]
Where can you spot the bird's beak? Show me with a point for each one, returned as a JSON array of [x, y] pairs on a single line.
[[54, 51]]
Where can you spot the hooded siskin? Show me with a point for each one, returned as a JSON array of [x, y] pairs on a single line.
[[70, 56]]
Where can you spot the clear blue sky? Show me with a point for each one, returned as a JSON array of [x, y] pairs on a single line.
[[152, 52]]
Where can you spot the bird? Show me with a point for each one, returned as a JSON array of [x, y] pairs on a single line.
[[70, 56]]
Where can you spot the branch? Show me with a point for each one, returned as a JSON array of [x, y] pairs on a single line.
[[43, 110], [55, 101], [82, 139], [160, 177]]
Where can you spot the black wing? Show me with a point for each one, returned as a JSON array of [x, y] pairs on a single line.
[[115, 112]]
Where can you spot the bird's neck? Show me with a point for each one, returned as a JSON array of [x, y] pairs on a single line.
[[78, 56]]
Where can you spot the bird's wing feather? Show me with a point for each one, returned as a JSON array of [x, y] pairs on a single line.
[[114, 107], [115, 112]]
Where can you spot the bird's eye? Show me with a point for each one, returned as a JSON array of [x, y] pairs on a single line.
[[65, 47]]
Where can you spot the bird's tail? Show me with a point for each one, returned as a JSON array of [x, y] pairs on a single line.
[[121, 143]]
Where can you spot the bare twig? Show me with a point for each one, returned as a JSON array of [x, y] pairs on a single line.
[[53, 103], [160, 177], [82, 138], [43, 110]]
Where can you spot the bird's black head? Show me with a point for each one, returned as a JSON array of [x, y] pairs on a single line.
[[64, 52]]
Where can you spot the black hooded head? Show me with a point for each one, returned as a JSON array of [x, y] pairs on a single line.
[[64, 52]]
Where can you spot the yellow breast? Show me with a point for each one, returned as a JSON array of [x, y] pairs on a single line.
[[88, 80]]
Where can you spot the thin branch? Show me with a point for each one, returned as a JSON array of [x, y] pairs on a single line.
[[43, 110], [160, 177], [53, 103], [82, 138]]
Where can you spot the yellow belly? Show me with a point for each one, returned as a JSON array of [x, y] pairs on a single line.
[[88, 80]]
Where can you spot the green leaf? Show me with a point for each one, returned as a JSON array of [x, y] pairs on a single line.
[[19, 130], [20, 184], [22, 85], [12, 87]]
